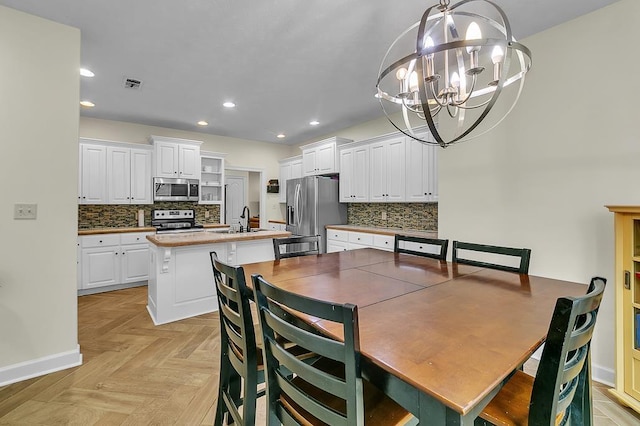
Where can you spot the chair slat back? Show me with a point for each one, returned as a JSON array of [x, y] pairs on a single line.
[[296, 246], [237, 336], [522, 253], [288, 396], [440, 245], [562, 387]]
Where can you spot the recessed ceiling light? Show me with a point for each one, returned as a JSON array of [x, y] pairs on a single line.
[[228, 105], [280, 136], [87, 104], [202, 123], [86, 72], [314, 122]]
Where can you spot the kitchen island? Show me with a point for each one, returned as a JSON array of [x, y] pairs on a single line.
[[180, 276]]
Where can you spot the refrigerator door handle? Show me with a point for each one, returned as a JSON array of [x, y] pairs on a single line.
[[289, 215], [298, 205]]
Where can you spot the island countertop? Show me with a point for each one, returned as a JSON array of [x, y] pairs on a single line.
[[208, 237]]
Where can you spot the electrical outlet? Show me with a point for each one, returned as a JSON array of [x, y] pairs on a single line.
[[384, 215], [25, 211], [207, 213]]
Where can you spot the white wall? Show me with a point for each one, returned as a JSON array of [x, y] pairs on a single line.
[[241, 152], [542, 178], [39, 92]]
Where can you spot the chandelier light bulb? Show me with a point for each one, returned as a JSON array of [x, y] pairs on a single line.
[[455, 80], [428, 42], [401, 73], [497, 55], [413, 82], [473, 33]]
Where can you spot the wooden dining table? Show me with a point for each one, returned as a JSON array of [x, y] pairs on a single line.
[[439, 338]]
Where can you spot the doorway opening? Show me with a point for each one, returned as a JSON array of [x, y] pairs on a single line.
[[245, 186]]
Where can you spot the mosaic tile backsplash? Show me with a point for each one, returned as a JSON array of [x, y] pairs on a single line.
[[124, 216], [415, 216]]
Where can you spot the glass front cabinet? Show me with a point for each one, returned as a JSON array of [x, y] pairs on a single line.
[[627, 289]]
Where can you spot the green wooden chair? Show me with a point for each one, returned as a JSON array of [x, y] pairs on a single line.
[[330, 391], [521, 253], [239, 355], [296, 246], [560, 393], [420, 244]]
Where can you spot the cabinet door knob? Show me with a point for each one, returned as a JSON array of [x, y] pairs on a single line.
[[100, 241], [116, 253]]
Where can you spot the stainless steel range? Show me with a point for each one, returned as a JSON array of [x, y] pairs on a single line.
[[175, 221]]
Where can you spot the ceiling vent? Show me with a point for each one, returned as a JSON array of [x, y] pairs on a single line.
[[132, 83]]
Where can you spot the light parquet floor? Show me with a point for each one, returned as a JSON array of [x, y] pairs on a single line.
[[135, 373]]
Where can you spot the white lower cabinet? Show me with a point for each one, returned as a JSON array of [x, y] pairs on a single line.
[[250, 251], [112, 260], [337, 240], [359, 240], [383, 242], [181, 278], [334, 246], [274, 226], [340, 240]]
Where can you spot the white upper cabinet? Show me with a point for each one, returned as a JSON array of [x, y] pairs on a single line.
[[387, 171], [141, 178], [114, 173], [166, 160], [388, 168], [93, 182], [128, 175], [176, 158], [119, 175], [321, 158], [421, 171], [189, 162], [354, 174], [290, 168]]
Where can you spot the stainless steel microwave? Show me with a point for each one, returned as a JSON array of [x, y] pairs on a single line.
[[170, 189]]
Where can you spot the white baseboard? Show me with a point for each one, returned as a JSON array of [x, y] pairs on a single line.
[[604, 375], [40, 366]]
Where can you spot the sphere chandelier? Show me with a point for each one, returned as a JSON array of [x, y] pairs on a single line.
[[433, 74]]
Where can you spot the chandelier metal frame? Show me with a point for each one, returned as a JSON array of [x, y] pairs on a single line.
[[422, 97]]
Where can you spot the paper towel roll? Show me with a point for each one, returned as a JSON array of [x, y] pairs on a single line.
[[141, 218]]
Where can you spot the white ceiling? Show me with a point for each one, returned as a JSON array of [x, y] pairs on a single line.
[[282, 62]]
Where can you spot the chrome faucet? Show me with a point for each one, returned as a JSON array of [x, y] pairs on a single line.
[[242, 216]]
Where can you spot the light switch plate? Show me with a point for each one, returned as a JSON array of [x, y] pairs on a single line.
[[25, 211]]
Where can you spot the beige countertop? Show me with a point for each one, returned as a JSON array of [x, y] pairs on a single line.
[[196, 238], [96, 231], [385, 231]]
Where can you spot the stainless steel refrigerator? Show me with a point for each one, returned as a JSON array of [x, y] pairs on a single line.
[[312, 204]]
